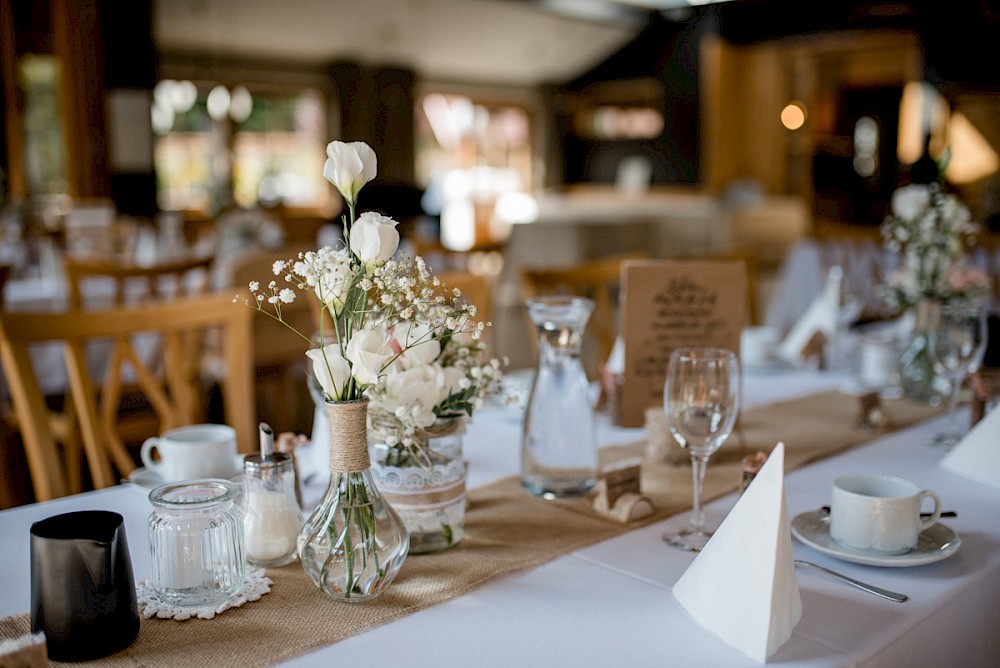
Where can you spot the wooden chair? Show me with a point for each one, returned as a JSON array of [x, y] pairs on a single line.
[[599, 280], [135, 283], [279, 355], [132, 284], [476, 288], [177, 322], [4, 275], [9, 495]]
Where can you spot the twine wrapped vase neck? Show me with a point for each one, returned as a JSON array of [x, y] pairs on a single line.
[[348, 435], [928, 314]]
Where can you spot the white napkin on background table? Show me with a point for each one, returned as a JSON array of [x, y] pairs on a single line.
[[821, 317], [977, 456], [742, 585]]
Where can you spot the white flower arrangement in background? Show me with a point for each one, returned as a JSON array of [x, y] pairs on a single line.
[[931, 230], [399, 337]]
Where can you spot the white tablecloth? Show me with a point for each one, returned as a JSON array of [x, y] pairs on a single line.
[[610, 604]]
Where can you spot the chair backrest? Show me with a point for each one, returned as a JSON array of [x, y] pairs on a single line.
[[273, 343], [175, 324], [89, 227], [476, 288], [135, 283], [279, 354], [599, 280], [4, 275]]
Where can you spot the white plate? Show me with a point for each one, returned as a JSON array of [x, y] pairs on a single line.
[[935, 543]]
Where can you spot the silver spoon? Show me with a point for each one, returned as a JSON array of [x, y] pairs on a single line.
[[864, 586]]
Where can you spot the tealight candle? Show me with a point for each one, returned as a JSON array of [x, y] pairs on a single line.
[[196, 542]]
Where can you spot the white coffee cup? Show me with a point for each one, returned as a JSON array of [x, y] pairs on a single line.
[[192, 452], [879, 513]]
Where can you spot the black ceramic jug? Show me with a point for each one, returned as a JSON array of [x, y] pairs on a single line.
[[82, 587]]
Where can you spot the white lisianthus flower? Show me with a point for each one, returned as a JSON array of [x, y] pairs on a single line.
[[374, 238], [417, 343], [332, 287], [422, 387], [349, 166], [331, 370], [367, 353]]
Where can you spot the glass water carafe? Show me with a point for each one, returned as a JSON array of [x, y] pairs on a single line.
[[558, 448]]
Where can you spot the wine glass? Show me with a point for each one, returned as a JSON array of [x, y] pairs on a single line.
[[957, 342], [701, 398]]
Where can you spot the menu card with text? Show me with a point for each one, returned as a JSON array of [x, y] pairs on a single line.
[[668, 304]]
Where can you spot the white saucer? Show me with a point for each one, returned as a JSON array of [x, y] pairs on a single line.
[[150, 480], [935, 543], [144, 478]]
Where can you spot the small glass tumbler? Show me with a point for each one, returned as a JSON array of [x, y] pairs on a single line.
[[876, 365], [272, 518], [196, 542]]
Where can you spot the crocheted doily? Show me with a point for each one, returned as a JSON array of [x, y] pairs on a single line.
[[257, 584]]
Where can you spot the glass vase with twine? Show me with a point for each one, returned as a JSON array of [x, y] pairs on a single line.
[[917, 377], [354, 543], [425, 484]]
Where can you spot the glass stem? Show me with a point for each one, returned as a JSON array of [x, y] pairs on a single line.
[[956, 387], [698, 465]]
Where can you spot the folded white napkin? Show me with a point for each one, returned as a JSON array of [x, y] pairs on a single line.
[[977, 456], [820, 318], [742, 585]]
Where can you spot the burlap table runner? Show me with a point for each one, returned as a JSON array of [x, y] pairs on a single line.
[[506, 530]]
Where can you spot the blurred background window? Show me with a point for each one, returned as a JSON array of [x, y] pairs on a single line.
[[217, 147], [43, 139], [472, 159]]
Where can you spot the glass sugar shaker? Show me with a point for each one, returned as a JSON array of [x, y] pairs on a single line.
[[272, 517], [558, 446], [196, 542]]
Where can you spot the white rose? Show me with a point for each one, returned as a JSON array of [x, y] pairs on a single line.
[[422, 386], [367, 354], [418, 345], [349, 167], [453, 380], [910, 201], [331, 370], [374, 238]]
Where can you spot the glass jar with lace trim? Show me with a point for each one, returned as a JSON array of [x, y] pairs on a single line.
[[425, 484]]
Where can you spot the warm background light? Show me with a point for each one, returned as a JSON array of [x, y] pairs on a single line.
[[922, 111], [972, 157], [793, 116]]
